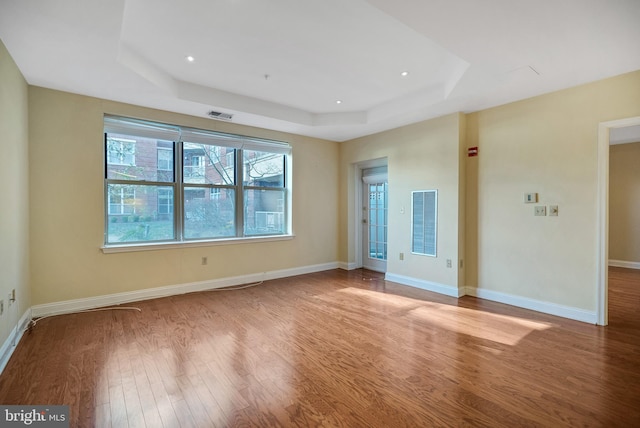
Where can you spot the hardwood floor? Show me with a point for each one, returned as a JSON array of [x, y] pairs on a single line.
[[334, 349]]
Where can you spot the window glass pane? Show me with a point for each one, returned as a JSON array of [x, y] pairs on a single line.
[[206, 164], [165, 159], [206, 217], [165, 203], [134, 215], [140, 159], [264, 212], [263, 169]]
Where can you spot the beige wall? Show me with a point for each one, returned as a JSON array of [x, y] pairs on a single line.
[[14, 193], [547, 145], [422, 156], [67, 226], [624, 202]]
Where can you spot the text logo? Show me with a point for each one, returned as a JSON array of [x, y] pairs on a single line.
[[34, 416]]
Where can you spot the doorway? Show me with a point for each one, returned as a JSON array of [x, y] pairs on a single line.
[[605, 131], [374, 208]]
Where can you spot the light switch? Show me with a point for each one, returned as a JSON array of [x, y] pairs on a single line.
[[530, 198]]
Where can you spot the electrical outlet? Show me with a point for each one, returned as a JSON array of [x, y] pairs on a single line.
[[553, 210], [448, 263], [401, 256], [204, 261]]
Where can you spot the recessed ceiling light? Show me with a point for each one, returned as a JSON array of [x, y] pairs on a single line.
[[404, 74], [190, 58], [338, 102]]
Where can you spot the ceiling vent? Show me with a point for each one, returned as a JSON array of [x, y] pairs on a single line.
[[219, 115]]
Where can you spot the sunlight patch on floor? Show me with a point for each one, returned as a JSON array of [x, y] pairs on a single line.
[[386, 299], [503, 329]]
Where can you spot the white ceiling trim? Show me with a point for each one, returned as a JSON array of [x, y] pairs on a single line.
[[283, 64]]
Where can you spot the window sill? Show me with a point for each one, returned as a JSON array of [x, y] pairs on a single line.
[[125, 248]]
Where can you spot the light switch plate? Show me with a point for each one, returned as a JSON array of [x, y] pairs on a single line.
[[540, 210], [553, 210], [530, 198]]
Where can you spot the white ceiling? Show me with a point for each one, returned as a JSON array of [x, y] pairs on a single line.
[[283, 64]]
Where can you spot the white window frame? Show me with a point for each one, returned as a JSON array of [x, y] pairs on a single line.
[[234, 145]]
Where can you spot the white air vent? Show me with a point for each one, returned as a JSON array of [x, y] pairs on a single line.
[[219, 115]]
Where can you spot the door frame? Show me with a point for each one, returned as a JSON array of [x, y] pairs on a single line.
[[377, 265], [357, 212], [602, 236]]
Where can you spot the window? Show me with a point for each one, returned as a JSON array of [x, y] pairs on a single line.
[[264, 192], [121, 151], [165, 159], [121, 200], [213, 156], [165, 202], [424, 208], [230, 161], [224, 186]]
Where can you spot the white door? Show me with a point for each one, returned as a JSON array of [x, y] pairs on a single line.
[[374, 222]]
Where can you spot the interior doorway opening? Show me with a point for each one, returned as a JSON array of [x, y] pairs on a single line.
[[605, 132]]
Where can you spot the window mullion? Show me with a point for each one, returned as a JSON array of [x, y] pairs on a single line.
[[178, 192], [240, 193]]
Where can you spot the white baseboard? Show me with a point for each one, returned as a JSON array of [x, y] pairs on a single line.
[[347, 266], [425, 285], [624, 264], [171, 290], [9, 345], [535, 305], [508, 299]]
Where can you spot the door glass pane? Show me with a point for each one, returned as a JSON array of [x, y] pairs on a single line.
[[377, 221]]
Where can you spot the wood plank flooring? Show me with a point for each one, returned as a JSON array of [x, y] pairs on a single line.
[[334, 349]]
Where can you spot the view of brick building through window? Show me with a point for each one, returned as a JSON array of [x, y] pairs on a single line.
[[143, 181]]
